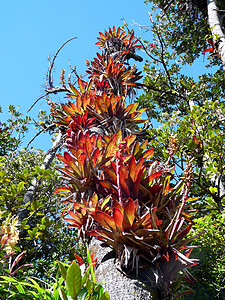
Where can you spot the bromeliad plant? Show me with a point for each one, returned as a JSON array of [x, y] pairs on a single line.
[[114, 190]]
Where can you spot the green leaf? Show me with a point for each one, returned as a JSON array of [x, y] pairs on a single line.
[[105, 296], [91, 265], [73, 280], [62, 294], [40, 290], [20, 186], [83, 294], [34, 204], [62, 270], [89, 286], [9, 279]]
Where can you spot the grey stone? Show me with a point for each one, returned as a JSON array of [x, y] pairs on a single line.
[[119, 286]]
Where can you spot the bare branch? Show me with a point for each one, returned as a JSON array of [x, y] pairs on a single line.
[[37, 101], [50, 79], [51, 89], [51, 126]]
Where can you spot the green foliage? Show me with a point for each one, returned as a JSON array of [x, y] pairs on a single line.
[[210, 272], [200, 136], [186, 37], [192, 112], [12, 131], [44, 235], [76, 283]]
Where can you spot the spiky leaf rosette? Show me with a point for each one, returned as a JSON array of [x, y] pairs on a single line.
[[105, 114], [113, 75], [83, 162], [114, 41], [124, 178]]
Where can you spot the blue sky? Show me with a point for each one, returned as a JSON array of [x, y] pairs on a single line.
[[31, 30]]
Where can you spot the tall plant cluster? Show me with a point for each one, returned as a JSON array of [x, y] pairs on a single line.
[[114, 190]]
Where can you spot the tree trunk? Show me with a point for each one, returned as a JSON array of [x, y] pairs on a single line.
[[118, 285], [216, 28], [28, 197]]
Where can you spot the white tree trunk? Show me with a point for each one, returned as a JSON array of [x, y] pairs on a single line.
[[216, 28], [23, 213]]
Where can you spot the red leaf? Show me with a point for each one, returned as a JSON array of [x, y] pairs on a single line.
[[165, 258], [132, 168], [104, 220], [110, 173], [68, 160], [155, 175], [81, 85], [151, 177], [94, 261], [208, 50], [118, 217], [79, 259], [114, 30], [72, 214], [176, 226], [211, 43], [62, 190], [136, 187], [123, 186], [155, 189], [184, 233], [148, 153], [17, 259], [129, 212]]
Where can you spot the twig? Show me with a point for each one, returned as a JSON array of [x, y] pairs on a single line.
[[50, 79], [43, 130], [51, 89], [147, 52], [37, 101]]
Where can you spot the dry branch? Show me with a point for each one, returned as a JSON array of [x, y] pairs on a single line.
[[50, 89]]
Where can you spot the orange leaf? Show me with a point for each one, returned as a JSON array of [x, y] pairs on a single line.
[[118, 217], [129, 211], [104, 220]]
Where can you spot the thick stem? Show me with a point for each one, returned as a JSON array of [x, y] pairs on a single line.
[[118, 180]]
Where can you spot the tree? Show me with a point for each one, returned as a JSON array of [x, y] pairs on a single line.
[[12, 131], [194, 113], [43, 235], [168, 90], [216, 24]]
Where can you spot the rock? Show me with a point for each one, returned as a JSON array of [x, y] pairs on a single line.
[[115, 282]]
